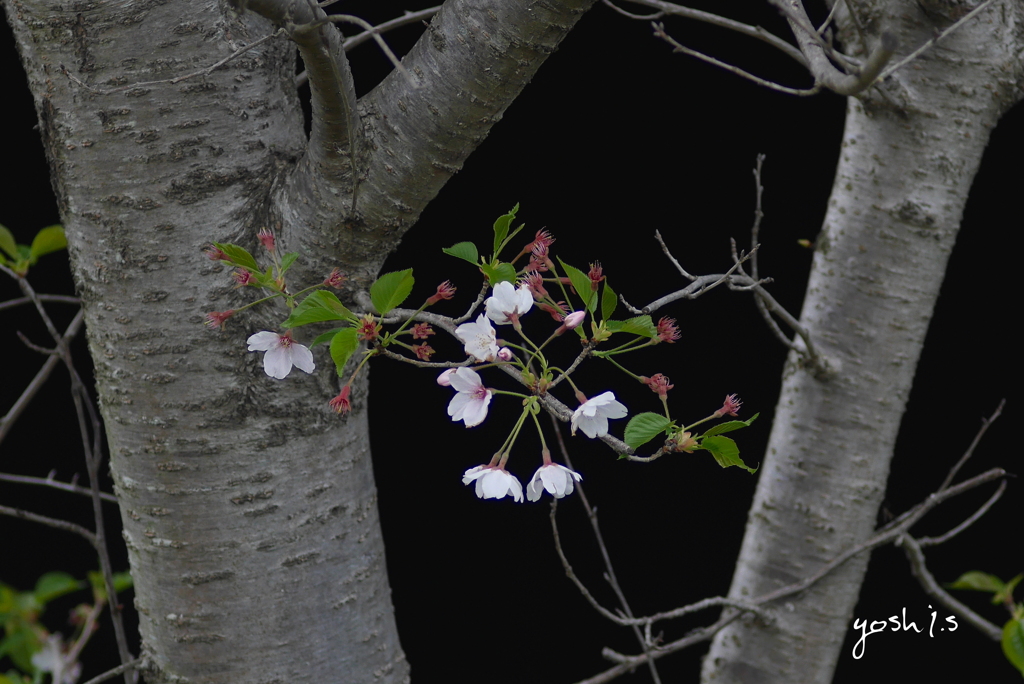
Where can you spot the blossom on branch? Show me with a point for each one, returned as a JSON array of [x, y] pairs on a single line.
[[730, 407], [444, 291], [470, 404], [557, 480], [335, 279], [217, 319], [479, 338], [341, 403], [493, 482], [282, 352], [507, 303], [668, 331], [592, 415]]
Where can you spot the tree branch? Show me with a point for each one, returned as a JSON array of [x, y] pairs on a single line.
[[816, 52], [334, 139]]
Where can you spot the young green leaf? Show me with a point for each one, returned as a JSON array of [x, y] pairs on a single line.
[[722, 428], [609, 300], [287, 260], [319, 306], [499, 273], [343, 346], [641, 325], [53, 585], [581, 283], [501, 228], [725, 452], [463, 250], [238, 255], [1013, 642], [643, 427], [978, 581], [7, 242], [49, 239], [325, 337], [390, 290]]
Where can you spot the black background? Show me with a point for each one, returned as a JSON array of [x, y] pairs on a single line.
[[615, 137]]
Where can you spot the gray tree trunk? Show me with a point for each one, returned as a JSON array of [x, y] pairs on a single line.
[[249, 508], [909, 153]]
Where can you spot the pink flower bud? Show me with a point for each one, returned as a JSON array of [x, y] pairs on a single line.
[[266, 239], [571, 321], [505, 354], [335, 279]]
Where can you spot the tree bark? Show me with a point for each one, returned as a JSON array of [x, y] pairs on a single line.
[[249, 508], [910, 150]]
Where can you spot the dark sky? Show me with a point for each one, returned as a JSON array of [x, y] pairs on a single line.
[[615, 137]]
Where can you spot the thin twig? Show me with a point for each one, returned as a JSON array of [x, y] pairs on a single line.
[[110, 674], [58, 299], [724, 22], [48, 481], [985, 423], [7, 422], [659, 32], [645, 643], [935, 541], [50, 522], [927, 581]]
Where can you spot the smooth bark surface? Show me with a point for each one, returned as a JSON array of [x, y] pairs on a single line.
[[910, 151]]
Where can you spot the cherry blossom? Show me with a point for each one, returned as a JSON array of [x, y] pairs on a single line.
[[493, 482], [557, 480], [444, 379], [479, 338], [592, 415], [470, 404], [507, 303], [282, 352]]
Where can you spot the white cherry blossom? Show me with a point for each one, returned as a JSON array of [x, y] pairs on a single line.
[[479, 338], [557, 480], [592, 415], [493, 482], [470, 404], [507, 302], [282, 352]]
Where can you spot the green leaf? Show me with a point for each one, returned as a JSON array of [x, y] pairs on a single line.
[[1005, 595], [463, 250], [501, 228], [343, 346], [7, 242], [287, 260], [238, 255], [581, 283], [725, 452], [1013, 643], [325, 337], [500, 273], [722, 428], [609, 300], [319, 306], [641, 325], [390, 290], [53, 585], [49, 239], [978, 581], [644, 427]]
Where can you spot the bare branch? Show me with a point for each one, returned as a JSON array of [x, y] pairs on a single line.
[[7, 422], [407, 18], [51, 522], [724, 22], [985, 423], [918, 567], [659, 32], [48, 481], [818, 53], [110, 674], [935, 541]]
